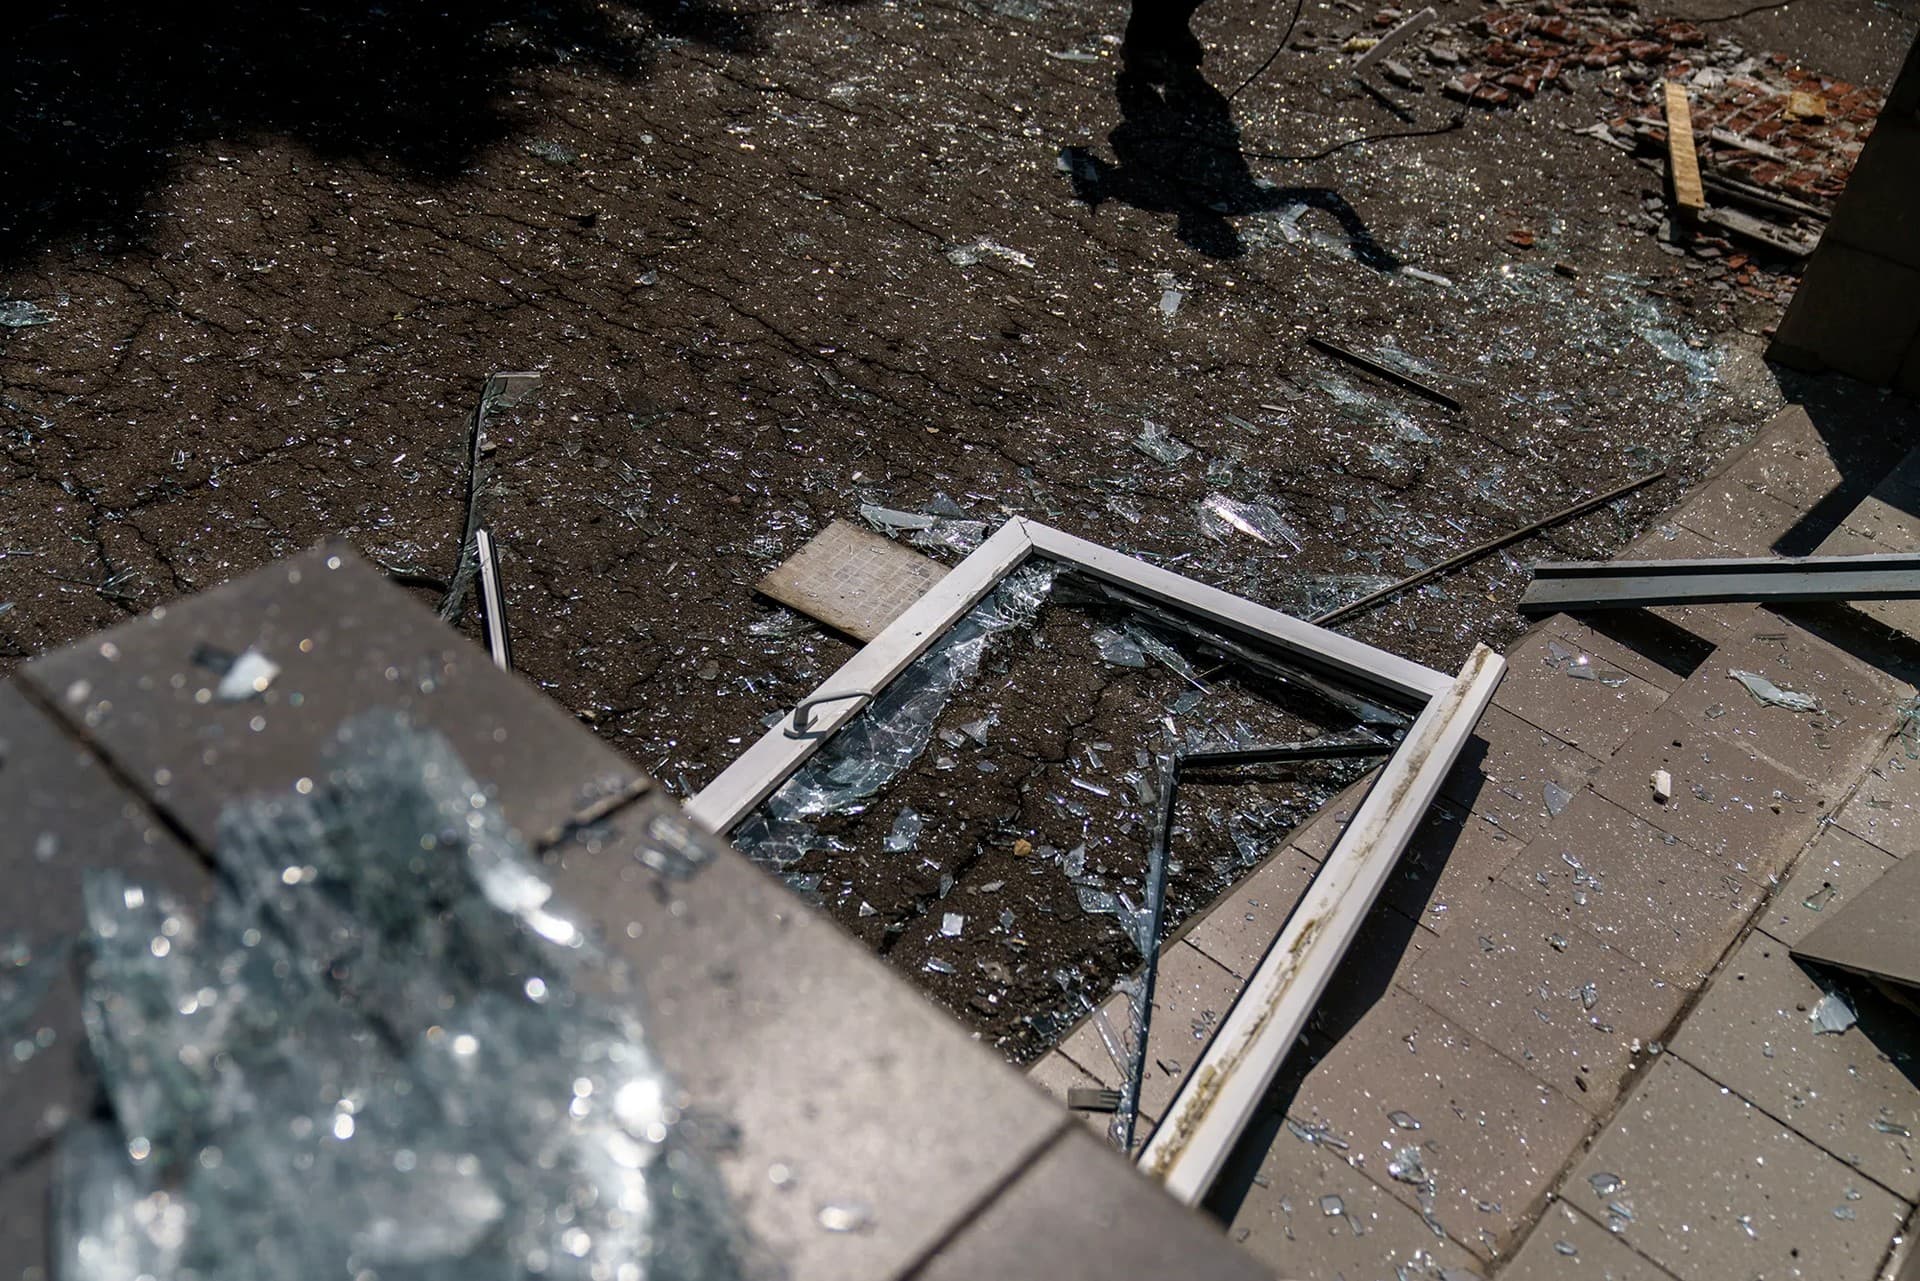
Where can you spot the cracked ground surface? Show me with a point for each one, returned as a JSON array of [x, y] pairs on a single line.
[[778, 260]]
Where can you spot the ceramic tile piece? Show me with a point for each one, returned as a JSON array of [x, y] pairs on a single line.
[[852, 579], [1753, 1033], [1719, 1191]]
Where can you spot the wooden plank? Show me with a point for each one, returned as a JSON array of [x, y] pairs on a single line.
[[1683, 158], [852, 580]]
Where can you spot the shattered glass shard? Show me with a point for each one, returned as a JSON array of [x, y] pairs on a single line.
[[1772, 695]]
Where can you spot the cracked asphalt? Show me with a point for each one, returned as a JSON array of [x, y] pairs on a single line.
[[776, 260]]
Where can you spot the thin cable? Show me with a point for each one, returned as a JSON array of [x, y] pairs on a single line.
[[1457, 122], [1298, 6], [1747, 13]]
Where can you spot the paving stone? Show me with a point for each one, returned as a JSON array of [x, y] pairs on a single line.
[[1081, 1212], [1753, 1034], [1453, 856], [1316, 836], [1504, 771], [1890, 526], [1829, 747], [1490, 1135], [1560, 1003], [1237, 930], [1641, 891], [1727, 510], [1389, 944], [346, 641], [1787, 460], [1884, 809], [1852, 313], [1575, 684], [774, 1019], [1283, 1221], [1832, 870], [65, 815], [1747, 815], [26, 1205], [1088, 1048], [1719, 1191], [1191, 995], [1054, 1073], [1568, 1246]]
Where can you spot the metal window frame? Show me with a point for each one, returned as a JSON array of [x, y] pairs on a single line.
[[1219, 1095]]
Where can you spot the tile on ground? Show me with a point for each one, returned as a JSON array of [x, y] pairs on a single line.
[[1316, 836], [1827, 747], [1452, 856], [1569, 1009], [345, 641], [1515, 774], [1713, 1189], [1832, 870], [26, 1211], [1885, 807], [1056, 1074], [1577, 685], [1748, 815], [1388, 946], [1093, 1048], [1308, 1214], [1636, 888], [1734, 515], [1475, 1141], [1238, 928], [814, 1052], [1568, 1246], [1788, 460], [1852, 1092], [1082, 1212]]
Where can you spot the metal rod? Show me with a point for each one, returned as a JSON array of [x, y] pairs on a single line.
[[1475, 552], [1312, 750], [493, 602], [1387, 372], [1156, 913], [1589, 585]]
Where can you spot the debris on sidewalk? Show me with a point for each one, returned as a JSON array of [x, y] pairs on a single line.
[[1772, 695]]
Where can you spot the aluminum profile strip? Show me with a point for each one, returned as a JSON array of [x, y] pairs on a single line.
[[1223, 1090], [1628, 584], [1354, 662]]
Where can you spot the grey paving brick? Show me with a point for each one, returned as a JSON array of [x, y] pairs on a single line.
[[1734, 515], [1827, 748], [346, 641], [1753, 1034], [1575, 684], [1568, 1246], [65, 815], [1570, 1010], [1491, 1137], [1505, 770], [1885, 806], [1317, 835], [1719, 1191], [775, 1020], [1788, 460], [1055, 1074], [1749, 816], [1453, 856], [1088, 1048], [1237, 929], [1308, 1214], [1648, 894], [1832, 870], [1388, 945], [1081, 1212]]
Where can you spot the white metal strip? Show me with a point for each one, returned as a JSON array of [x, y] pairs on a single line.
[[1354, 660], [779, 752], [1223, 1090]]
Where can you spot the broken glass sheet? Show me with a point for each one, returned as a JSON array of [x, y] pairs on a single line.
[[1558, 798], [1220, 515], [381, 1049], [1119, 647], [962, 536], [1155, 443], [1772, 695], [889, 521], [19, 314], [906, 831], [893, 730], [1832, 1014]]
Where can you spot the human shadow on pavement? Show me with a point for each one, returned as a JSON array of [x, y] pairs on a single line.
[[1177, 150]]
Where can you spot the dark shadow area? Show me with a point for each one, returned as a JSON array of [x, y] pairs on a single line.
[[100, 95], [1652, 637], [1177, 150], [1887, 1016], [1866, 430]]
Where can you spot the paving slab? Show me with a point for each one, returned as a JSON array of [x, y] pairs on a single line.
[[1387, 947], [1749, 816], [895, 1109], [1787, 460], [26, 1206], [1055, 1074], [1452, 856], [1752, 1032], [1636, 888], [1828, 747], [345, 641], [66, 816], [1733, 514], [1237, 930], [1491, 1137], [1308, 1214], [1836, 867], [1577, 685], [1316, 836], [1082, 1212], [1719, 1191], [1884, 809], [1568, 1246], [1569, 1009], [1878, 934], [1510, 773], [1087, 1047]]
